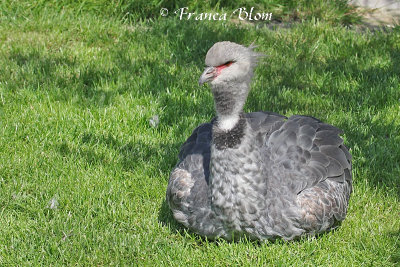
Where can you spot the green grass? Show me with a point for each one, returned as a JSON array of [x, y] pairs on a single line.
[[83, 174]]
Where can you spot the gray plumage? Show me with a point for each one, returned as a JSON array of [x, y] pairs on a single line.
[[260, 174]]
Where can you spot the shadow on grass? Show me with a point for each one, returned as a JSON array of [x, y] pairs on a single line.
[[395, 258], [63, 76], [166, 219], [94, 150]]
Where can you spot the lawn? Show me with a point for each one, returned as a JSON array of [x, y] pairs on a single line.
[[83, 171]]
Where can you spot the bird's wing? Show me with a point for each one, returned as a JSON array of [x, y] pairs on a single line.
[[302, 152], [188, 181], [198, 143]]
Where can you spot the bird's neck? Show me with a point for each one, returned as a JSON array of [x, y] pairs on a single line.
[[229, 102]]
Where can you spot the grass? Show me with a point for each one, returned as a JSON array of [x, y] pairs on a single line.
[[83, 174]]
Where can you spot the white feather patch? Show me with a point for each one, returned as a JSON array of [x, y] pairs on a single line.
[[227, 123]]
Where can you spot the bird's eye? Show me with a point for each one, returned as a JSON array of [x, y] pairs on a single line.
[[226, 64]]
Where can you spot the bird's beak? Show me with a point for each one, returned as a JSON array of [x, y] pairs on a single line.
[[207, 75]]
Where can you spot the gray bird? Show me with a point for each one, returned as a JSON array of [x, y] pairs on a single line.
[[260, 175]]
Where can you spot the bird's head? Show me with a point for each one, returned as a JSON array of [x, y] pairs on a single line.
[[227, 63]]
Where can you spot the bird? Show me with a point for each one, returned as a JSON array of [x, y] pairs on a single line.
[[259, 175]]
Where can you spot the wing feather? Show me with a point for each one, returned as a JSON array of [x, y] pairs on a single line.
[[307, 149]]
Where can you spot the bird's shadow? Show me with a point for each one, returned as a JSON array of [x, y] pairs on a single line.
[[166, 219]]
